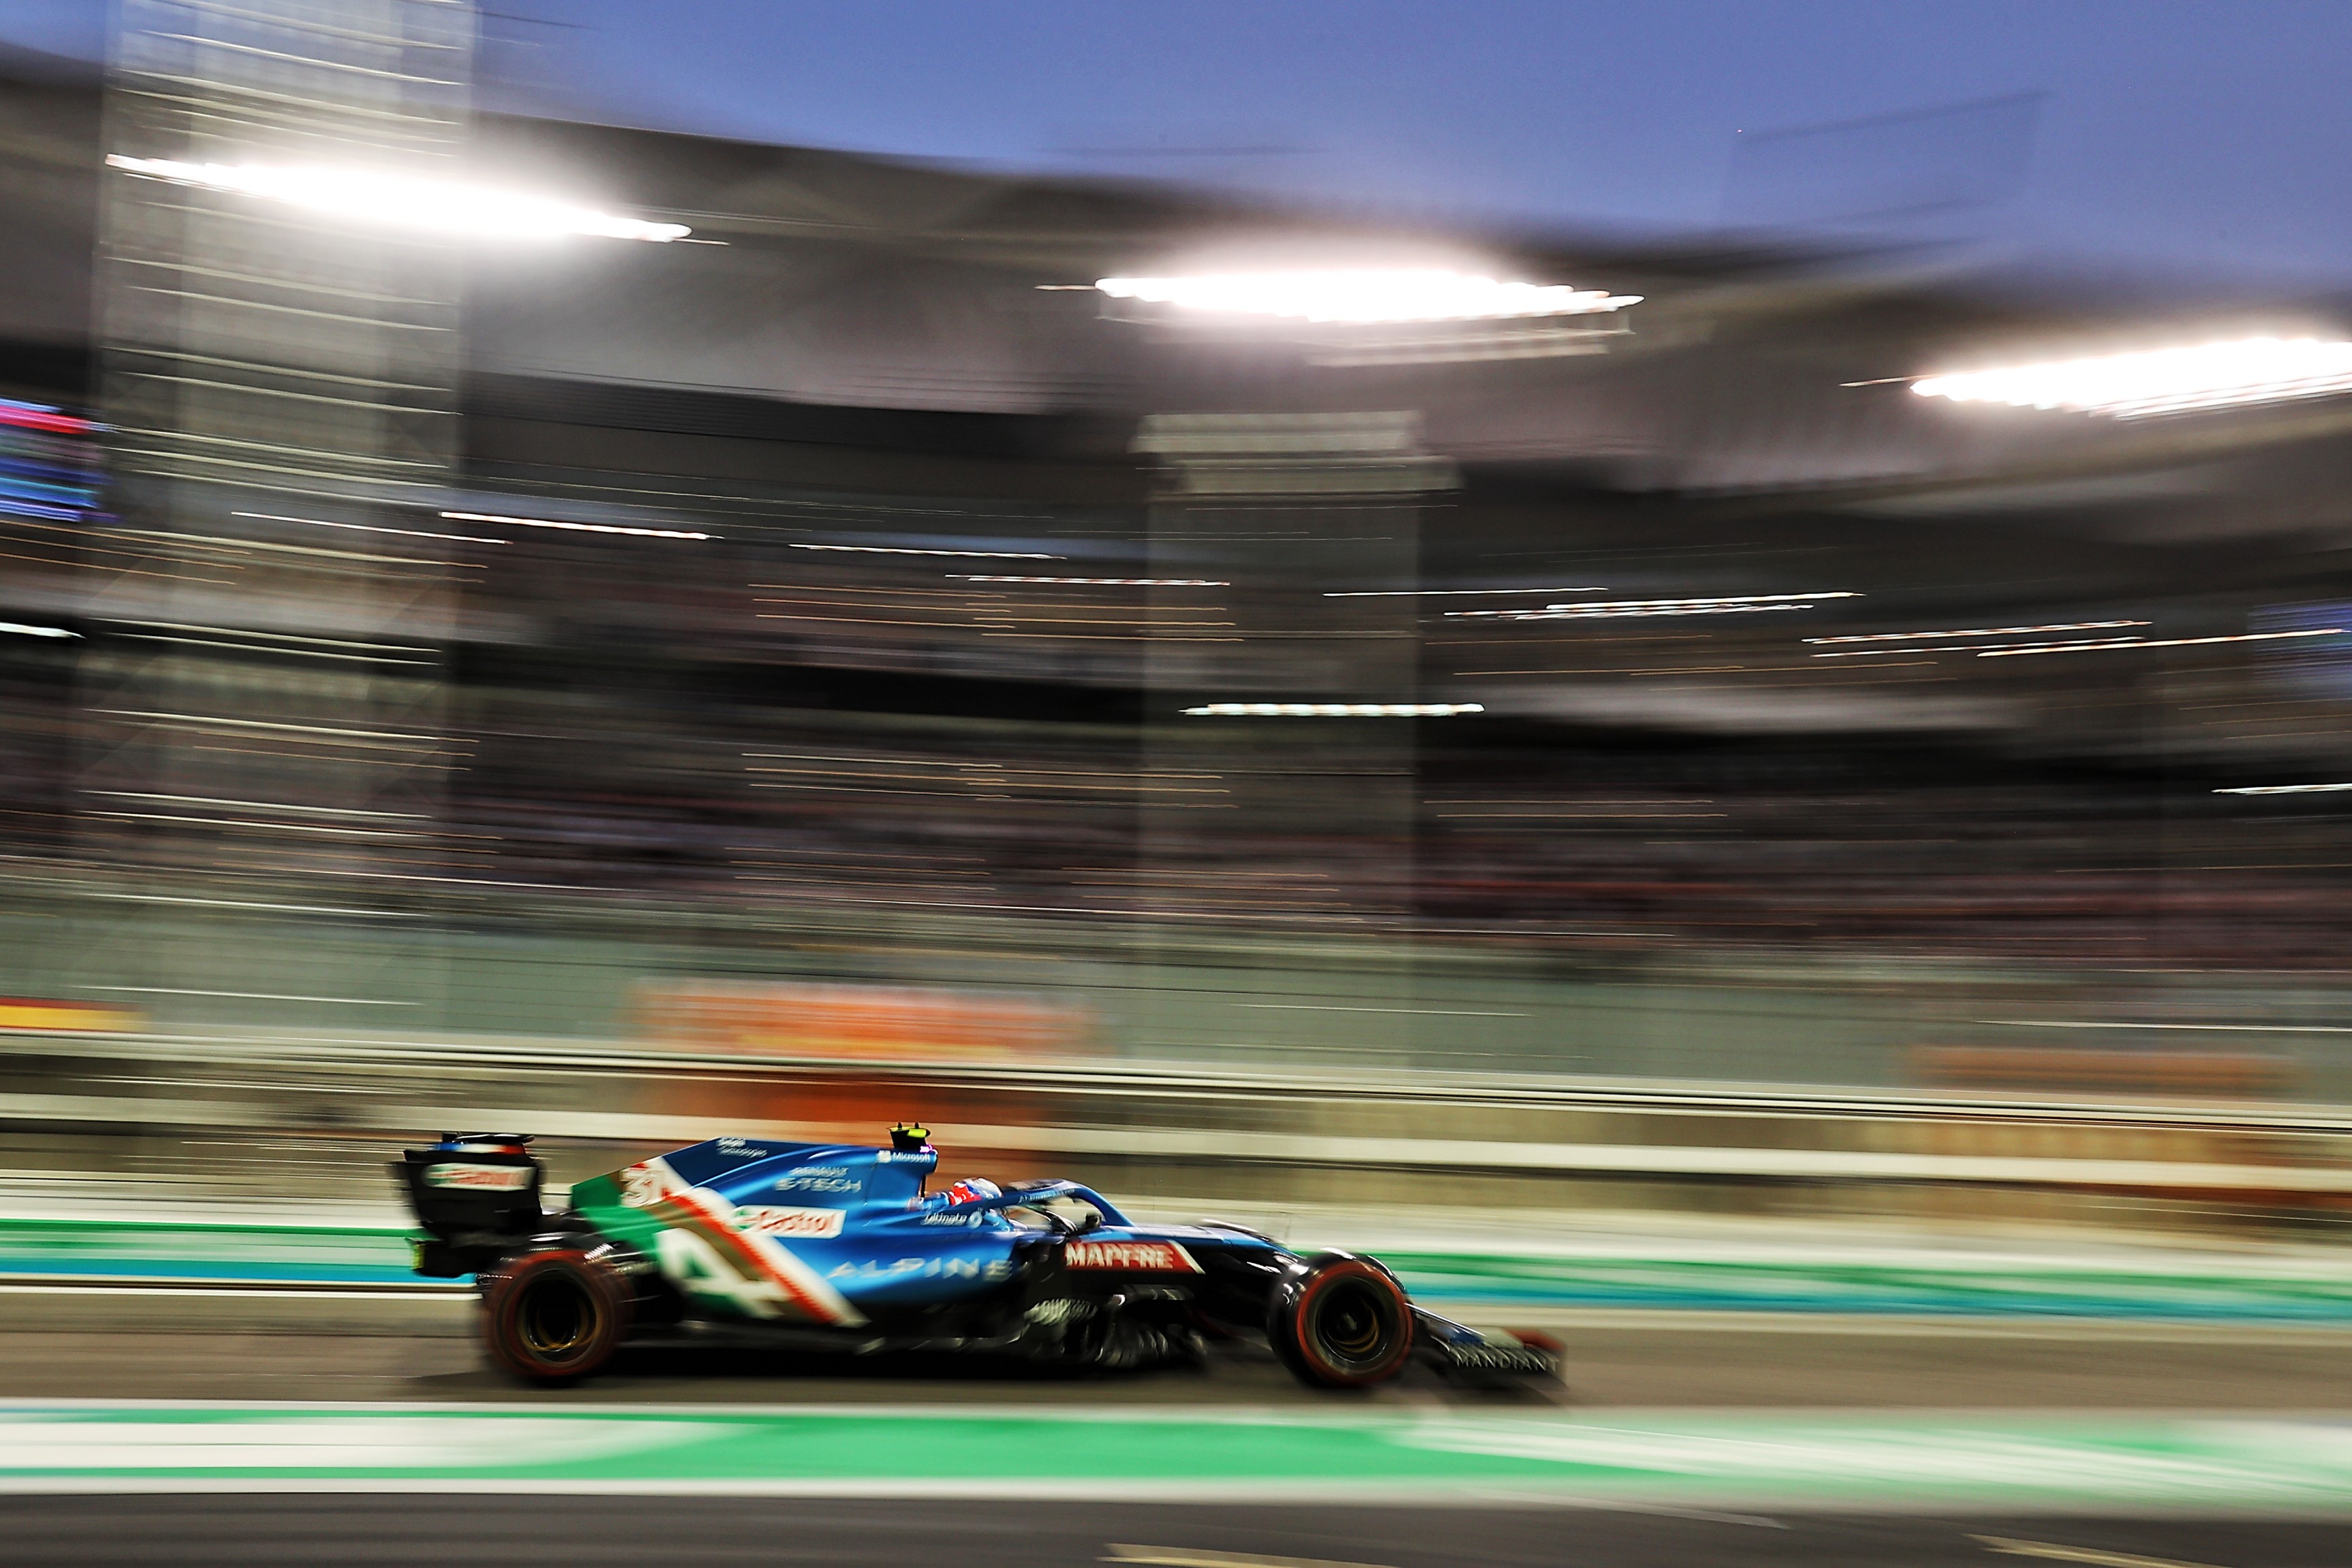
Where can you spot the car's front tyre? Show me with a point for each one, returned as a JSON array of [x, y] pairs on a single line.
[[553, 1316], [1338, 1320]]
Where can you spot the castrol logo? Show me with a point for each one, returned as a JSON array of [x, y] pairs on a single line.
[[479, 1178], [647, 1183], [790, 1221], [1133, 1257]]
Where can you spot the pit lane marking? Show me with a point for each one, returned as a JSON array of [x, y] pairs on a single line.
[[2078, 1553], [128, 1285]]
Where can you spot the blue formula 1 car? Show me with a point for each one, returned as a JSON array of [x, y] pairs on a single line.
[[841, 1247]]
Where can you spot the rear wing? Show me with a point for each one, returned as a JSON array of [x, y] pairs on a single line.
[[476, 1194]]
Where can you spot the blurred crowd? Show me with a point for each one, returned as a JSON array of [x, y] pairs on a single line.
[[652, 740]]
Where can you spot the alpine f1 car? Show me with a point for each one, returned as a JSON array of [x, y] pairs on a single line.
[[842, 1248]]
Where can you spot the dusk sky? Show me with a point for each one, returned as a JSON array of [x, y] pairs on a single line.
[[2170, 138]]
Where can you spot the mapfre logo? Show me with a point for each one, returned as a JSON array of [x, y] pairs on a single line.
[[479, 1178], [1135, 1256], [790, 1221]]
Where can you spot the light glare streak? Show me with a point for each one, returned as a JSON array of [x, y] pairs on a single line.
[[1888, 652], [1365, 294], [19, 629], [575, 528], [254, 996], [2283, 790], [1449, 592], [200, 719], [1624, 614], [1978, 632], [281, 637], [397, 201], [2168, 380], [901, 550], [1617, 609], [373, 529], [256, 805], [1332, 710], [2113, 643], [1975, 647], [1100, 581]]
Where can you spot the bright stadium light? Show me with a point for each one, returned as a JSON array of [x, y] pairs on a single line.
[[404, 202], [1365, 294], [2168, 380]]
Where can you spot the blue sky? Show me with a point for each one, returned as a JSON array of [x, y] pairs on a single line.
[[2179, 139]]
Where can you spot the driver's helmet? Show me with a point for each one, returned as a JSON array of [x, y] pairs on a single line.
[[972, 1189]]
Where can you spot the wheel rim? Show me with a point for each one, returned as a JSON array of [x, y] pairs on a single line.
[[556, 1318], [1355, 1324]]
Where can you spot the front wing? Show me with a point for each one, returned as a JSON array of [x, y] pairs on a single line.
[[1459, 1351]]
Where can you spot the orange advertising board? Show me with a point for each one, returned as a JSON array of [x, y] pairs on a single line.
[[855, 1023], [33, 1015]]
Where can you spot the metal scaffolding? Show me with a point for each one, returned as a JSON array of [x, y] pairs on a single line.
[[281, 387]]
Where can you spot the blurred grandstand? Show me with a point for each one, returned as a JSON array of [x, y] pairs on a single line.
[[916, 549]]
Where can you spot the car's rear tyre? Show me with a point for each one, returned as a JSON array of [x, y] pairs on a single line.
[[1340, 1321], [553, 1316]]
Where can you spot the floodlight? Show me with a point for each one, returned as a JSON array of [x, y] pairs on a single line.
[[404, 202], [1365, 294], [2166, 381]]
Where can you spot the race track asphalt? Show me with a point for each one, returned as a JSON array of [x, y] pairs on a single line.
[[210, 1344], [586, 1530]]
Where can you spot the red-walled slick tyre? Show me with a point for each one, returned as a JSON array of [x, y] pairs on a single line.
[[554, 1316], [1340, 1321]]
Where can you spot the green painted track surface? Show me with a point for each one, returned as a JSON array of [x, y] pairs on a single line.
[[1908, 1286], [222, 1250], [2179, 1464]]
